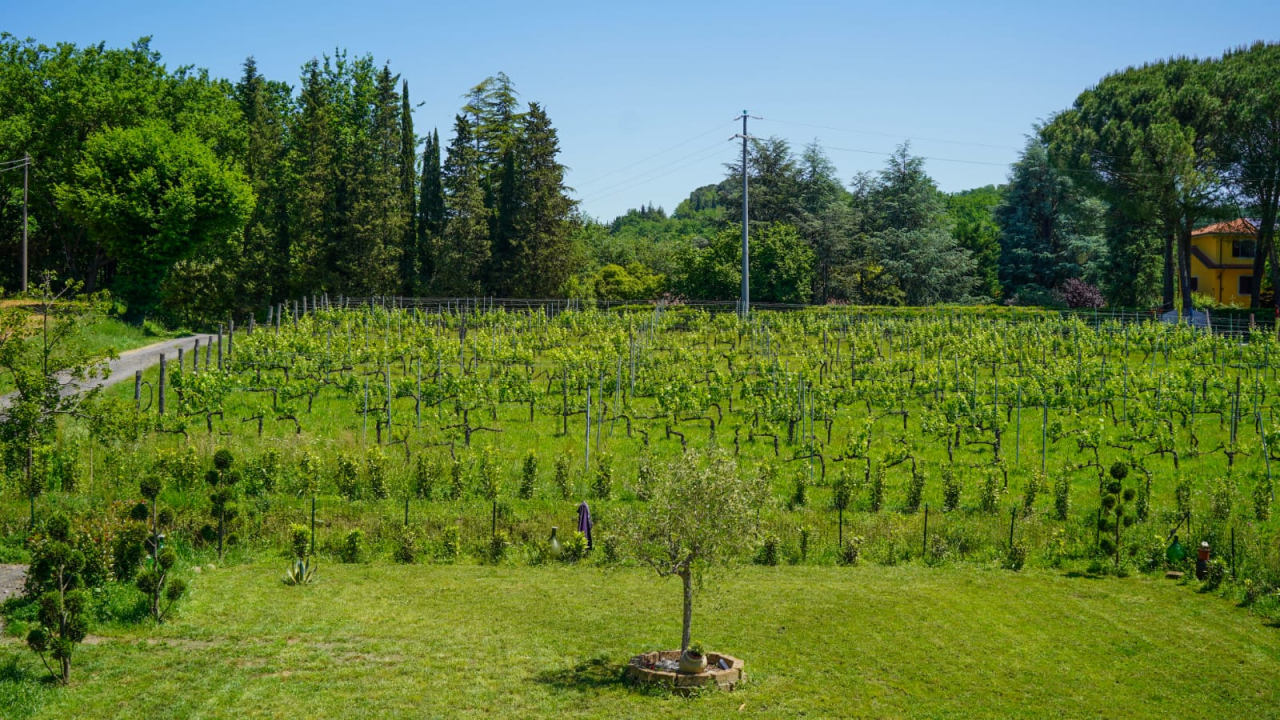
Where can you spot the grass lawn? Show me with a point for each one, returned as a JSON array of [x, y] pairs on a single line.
[[551, 641]]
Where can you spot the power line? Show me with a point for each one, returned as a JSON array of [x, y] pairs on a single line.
[[894, 135], [703, 157], [923, 157], [655, 173], [660, 153]]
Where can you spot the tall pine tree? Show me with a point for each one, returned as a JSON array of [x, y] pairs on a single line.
[[540, 231], [463, 252], [409, 253], [431, 211]]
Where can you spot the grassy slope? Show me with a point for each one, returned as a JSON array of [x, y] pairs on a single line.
[[455, 640], [110, 334]]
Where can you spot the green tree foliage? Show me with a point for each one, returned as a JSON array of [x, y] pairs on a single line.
[[1049, 230], [1144, 138], [64, 607], [153, 197], [781, 266], [464, 250], [975, 230], [906, 254], [431, 211], [1248, 151], [539, 260], [699, 513]]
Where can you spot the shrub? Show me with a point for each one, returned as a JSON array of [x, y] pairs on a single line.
[[405, 550], [1029, 493], [1262, 491], [1115, 517], [529, 475], [851, 551], [915, 491], [1220, 500], [375, 461], [1182, 495], [1015, 557], [63, 609], [352, 548], [805, 535], [574, 547], [562, 478], [645, 478], [347, 477], [1061, 497], [1215, 574], [1076, 293], [951, 489], [299, 541], [487, 473], [602, 483], [876, 491], [990, 492], [128, 551], [451, 543], [800, 492], [456, 481], [222, 501], [426, 472], [498, 544], [768, 552], [610, 548]]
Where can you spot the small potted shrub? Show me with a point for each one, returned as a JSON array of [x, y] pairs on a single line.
[[693, 660]]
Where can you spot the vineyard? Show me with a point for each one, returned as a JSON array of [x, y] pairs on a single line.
[[947, 436], [907, 461]]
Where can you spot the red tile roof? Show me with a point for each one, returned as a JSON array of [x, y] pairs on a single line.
[[1235, 227]]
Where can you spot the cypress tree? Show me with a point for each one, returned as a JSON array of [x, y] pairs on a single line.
[[464, 248], [409, 254], [431, 211], [313, 212], [540, 232]]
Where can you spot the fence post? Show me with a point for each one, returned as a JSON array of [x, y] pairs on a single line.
[[162, 383]]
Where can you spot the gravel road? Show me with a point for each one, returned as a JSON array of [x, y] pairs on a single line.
[[130, 362]]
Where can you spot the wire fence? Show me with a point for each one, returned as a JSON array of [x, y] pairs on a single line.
[[1239, 324]]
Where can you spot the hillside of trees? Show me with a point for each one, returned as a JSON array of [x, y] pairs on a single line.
[[192, 197]]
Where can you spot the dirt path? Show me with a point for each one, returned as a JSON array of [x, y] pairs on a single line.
[[130, 362], [11, 579]]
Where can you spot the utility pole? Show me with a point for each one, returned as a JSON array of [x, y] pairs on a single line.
[[25, 164], [744, 302], [26, 167]]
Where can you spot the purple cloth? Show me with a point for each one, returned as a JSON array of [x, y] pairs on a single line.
[[584, 522]]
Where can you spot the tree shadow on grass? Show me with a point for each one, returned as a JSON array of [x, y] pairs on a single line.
[[597, 673]]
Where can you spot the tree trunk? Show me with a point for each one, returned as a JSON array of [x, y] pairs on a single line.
[[1259, 269], [1184, 262], [1168, 270], [686, 577]]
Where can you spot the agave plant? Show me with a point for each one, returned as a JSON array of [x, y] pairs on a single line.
[[301, 572]]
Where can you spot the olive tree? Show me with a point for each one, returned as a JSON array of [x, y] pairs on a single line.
[[700, 513]]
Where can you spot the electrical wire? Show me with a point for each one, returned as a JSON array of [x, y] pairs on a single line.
[[660, 153], [893, 135], [703, 158], [643, 176]]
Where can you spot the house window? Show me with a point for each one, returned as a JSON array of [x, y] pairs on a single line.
[[1246, 285], [1195, 283], [1243, 248]]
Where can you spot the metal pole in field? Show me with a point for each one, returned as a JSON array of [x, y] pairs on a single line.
[[26, 170], [744, 303]]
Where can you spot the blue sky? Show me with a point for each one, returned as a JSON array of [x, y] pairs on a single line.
[[643, 94]]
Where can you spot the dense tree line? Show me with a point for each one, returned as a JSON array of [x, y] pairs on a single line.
[[193, 197], [1106, 193]]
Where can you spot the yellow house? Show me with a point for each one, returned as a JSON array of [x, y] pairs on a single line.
[[1222, 261]]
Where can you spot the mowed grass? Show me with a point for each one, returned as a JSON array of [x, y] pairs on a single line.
[[439, 640]]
